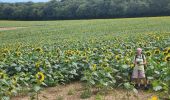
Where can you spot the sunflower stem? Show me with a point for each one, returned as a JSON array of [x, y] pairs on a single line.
[[37, 96]]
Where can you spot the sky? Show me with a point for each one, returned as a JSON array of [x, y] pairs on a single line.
[[23, 0]]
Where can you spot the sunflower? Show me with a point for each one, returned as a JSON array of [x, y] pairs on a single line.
[[148, 53], [18, 53], [167, 58], [157, 51], [84, 54], [2, 75], [95, 49], [37, 64], [6, 51], [130, 52], [67, 60], [157, 38], [14, 81], [40, 77], [131, 65], [94, 67], [140, 44], [168, 50], [165, 53], [128, 47], [126, 61], [154, 98], [58, 50], [39, 49], [10, 90], [77, 52], [118, 57], [4, 54], [105, 64], [69, 52]]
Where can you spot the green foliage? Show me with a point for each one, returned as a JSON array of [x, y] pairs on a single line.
[[86, 94], [98, 97], [59, 98], [83, 9], [98, 59], [71, 92]]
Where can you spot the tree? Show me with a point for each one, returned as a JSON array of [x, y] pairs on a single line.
[[78, 9]]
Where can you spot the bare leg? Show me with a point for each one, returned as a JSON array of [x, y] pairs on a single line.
[[138, 81], [135, 80]]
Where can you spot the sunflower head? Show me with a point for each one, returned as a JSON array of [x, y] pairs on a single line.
[[148, 53], [39, 49], [154, 98], [67, 60], [130, 52], [165, 53], [167, 58], [2, 75], [84, 54], [4, 54], [77, 52], [168, 50], [37, 64], [127, 61], [6, 50], [157, 51], [18, 53], [118, 57], [140, 44], [105, 64], [128, 47], [14, 81], [94, 67], [58, 50], [131, 65], [40, 77]]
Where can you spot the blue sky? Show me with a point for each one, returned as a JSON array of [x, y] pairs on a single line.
[[23, 0]]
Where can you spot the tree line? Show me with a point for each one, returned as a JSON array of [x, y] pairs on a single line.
[[84, 9]]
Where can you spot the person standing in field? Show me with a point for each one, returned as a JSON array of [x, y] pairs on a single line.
[[138, 75]]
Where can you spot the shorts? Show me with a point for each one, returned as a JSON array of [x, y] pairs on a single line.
[[138, 74]]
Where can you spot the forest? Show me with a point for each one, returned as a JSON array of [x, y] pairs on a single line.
[[83, 9]]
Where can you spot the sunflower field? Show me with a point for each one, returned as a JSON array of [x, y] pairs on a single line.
[[102, 59]]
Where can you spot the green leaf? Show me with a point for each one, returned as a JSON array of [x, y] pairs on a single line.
[[150, 78], [135, 90], [18, 68], [44, 84], [157, 88], [92, 82], [95, 74], [127, 85], [125, 66], [5, 98], [36, 88], [109, 76], [157, 72]]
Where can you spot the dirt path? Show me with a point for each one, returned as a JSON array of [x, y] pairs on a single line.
[[61, 93], [10, 28]]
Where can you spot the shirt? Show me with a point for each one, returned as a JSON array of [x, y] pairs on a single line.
[[139, 60]]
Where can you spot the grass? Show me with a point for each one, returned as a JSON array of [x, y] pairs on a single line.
[[71, 92], [39, 33]]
